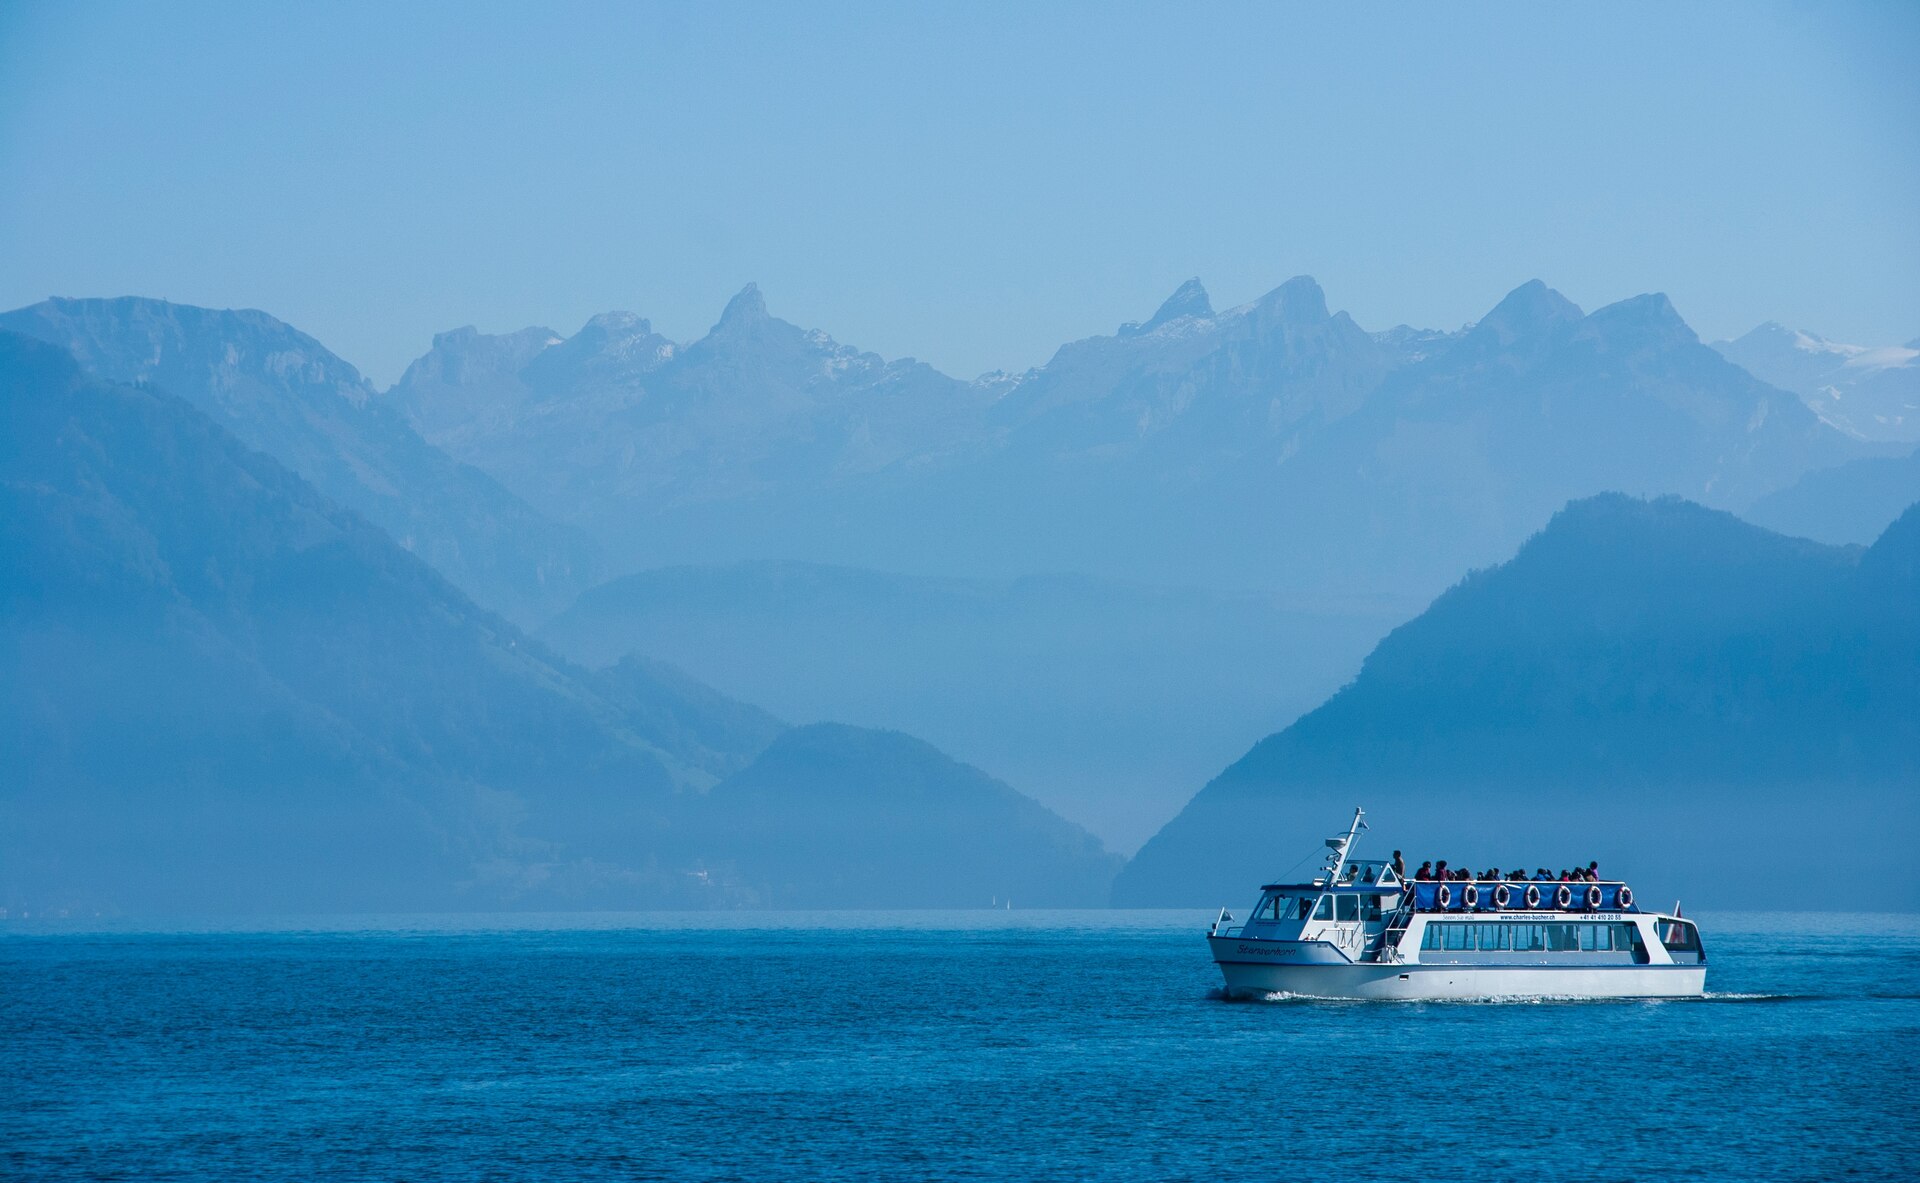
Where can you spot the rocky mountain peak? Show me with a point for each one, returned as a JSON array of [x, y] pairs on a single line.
[[1531, 308], [748, 308], [1649, 315], [235, 354], [617, 325], [1297, 301], [1189, 299], [468, 341], [1772, 330]]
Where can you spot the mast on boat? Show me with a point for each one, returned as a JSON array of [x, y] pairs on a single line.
[[1339, 847]]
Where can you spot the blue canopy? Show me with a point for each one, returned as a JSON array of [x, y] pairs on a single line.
[[1426, 893]]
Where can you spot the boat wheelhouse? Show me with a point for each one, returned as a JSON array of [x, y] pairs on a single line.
[[1359, 930]]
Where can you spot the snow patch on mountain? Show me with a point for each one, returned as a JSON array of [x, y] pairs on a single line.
[[1870, 392]]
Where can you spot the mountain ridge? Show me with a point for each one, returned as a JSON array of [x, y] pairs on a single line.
[[892, 806], [1869, 393], [1633, 656], [1233, 445], [285, 394], [1097, 697], [226, 692]]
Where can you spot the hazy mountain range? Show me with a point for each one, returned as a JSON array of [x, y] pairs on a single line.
[[1872, 393], [250, 629], [1699, 704], [1277, 445], [225, 691], [1851, 502], [283, 393], [1107, 700]]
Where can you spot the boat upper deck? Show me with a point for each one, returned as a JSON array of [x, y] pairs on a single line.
[[1560, 895], [1470, 895]]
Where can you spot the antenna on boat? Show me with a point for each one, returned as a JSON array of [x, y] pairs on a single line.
[[1341, 845]]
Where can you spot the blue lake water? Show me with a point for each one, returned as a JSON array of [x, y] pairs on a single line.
[[965, 1045]]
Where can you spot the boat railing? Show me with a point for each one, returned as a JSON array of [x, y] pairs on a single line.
[[1386, 944], [1425, 896]]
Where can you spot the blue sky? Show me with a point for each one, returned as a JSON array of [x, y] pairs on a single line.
[[968, 184]]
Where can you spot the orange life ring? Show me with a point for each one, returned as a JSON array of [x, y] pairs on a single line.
[[1625, 898], [1593, 898], [1533, 895], [1563, 898], [1502, 896], [1470, 896], [1444, 897]]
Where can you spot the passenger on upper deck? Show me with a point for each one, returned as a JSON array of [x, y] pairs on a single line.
[[1542, 875], [1425, 871], [1440, 870], [1593, 871], [1399, 866]]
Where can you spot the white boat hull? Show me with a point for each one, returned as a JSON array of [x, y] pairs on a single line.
[[1409, 982]]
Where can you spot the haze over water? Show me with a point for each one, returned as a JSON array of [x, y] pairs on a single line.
[[939, 1045]]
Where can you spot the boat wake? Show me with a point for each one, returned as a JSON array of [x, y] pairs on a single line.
[[1737, 996], [1221, 994], [1218, 994], [1726, 997]]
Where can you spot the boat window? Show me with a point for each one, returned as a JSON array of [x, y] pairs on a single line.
[[1679, 934], [1561, 938], [1370, 908], [1528, 938], [1457, 937], [1493, 937], [1349, 907], [1325, 910], [1430, 939], [1282, 907], [1605, 938]]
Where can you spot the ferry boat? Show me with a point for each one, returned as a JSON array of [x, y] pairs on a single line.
[[1359, 930]]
